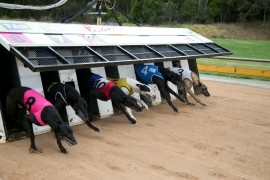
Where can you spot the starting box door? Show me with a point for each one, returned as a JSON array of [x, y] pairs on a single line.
[[105, 107], [2, 130], [156, 92], [33, 80], [67, 76]]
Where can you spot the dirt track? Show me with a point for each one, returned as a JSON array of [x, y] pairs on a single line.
[[228, 139]]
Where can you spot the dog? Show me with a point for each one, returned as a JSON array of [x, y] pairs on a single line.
[[105, 90], [40, 112], [62, 95], [133, 87], [151, 74], [190, 80]]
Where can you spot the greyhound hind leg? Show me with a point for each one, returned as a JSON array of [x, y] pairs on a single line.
[[128, 114], [31, 119]]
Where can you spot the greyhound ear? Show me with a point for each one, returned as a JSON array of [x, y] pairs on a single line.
[[143, 87], [139, 85]]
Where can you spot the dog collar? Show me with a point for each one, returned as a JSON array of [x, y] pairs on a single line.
[[49, 88]]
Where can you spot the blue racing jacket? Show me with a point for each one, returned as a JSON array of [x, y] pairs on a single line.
[[147, 72]]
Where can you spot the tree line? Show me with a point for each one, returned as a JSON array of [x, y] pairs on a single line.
[[151, 11]]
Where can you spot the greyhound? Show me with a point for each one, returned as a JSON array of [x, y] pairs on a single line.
[[133, 87], [62, 95], [105, 90], [151, 74], [40, 112], [190, 80]]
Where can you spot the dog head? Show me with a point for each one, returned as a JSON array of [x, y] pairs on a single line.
[[203, 89], [66, 134], [147, 92], [132, 103]]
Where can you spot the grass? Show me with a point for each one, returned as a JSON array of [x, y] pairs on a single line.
[[235, 64], [236, 76], [241, 48], [240, 31], [246, 48]]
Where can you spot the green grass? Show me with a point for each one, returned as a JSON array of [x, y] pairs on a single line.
[[246, 48], [241, 48], [236, 76], [235, 64]]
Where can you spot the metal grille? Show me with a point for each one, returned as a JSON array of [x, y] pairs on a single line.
[[203, 48], [77, 55], [39, 56], [217, 47], [111, 53], [187, 49], [167, 51], [141, 52]]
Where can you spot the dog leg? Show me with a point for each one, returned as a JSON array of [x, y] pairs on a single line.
[[140, 102], [194, 96], [58, 140], [188, 85], [143, 104], [172, 92], [88, 123], [160, 84], [31, 119], [129, 115], [167, 97]]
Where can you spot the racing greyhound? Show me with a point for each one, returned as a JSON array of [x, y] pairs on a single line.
[[133, 87], [151, 74], [40, 112], [105, 90], [191, 79], [62, 95]]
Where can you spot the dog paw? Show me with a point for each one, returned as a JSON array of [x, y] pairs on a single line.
[[133, 121], [203, 104], [96, 130], [191, 104], [35, 150], [175, 110], [64, 151]]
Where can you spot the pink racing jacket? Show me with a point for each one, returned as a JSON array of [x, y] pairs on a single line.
[[34, 102]]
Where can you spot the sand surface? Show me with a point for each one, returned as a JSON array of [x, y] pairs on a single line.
[[228, 139]]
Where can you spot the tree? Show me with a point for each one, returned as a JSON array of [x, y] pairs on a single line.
[[146, 11]]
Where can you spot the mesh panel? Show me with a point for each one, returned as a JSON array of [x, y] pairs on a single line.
[[141, 52], [217, 47], [203, 48], [186, 49], [39, 56], [77, 55], [167, 51], [111, 53]]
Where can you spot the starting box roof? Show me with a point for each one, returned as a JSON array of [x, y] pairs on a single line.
[[55, 46]]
